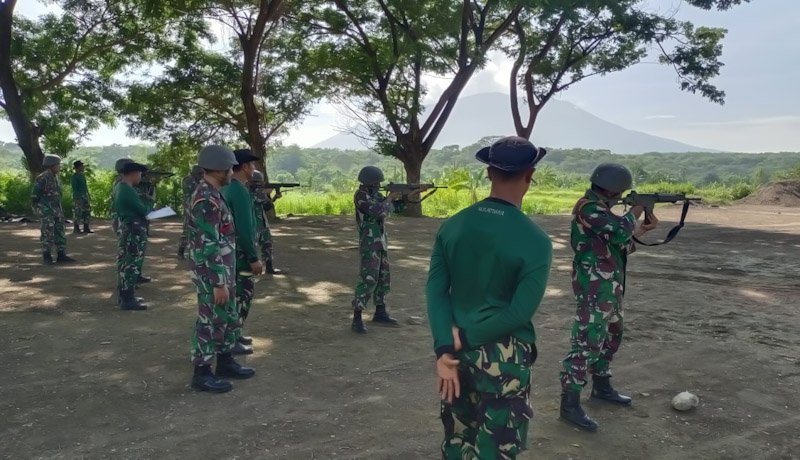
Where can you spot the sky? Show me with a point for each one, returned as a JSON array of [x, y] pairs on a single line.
[[761, 53]]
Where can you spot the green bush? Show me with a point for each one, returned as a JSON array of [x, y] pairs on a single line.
[[15, 192]]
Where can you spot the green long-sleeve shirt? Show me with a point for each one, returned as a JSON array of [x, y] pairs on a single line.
[[241, 204], [79, 187], [127, 204], [488, 274]]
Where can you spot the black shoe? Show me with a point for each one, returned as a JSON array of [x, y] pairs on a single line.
[[241, 349], [64, 258], [182, 252], [245, 340], [602, 389], [76, 228], [228, 367], [47, 258], [204, 380], [358, 324], [383, 318], [86, 229], [138, 299], [143, 279], [572, 412], [127, 301]]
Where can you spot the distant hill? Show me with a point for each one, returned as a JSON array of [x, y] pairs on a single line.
[[561, 124], [100, 157]]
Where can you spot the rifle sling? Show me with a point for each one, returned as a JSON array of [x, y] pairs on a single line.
[[672, 233]]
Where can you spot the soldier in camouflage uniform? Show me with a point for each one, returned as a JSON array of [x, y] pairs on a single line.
[[372, 208], [189, 184], [601, 241], [132, 217], [264, 203], [212, 250], [46, 203], [81, 203], [488, 274]]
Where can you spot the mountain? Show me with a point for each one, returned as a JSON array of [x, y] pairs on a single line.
[[560, 124]]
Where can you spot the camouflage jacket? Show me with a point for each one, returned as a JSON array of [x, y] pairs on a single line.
[[212, 239], [189, 184], [601, 241], [372, 208], [46, 195], [262, 205]]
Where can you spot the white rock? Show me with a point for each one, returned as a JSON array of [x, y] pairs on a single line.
[[415, 320], [685, 401]]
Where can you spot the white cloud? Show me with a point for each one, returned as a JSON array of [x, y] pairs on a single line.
[[774, 121], [659, 117]]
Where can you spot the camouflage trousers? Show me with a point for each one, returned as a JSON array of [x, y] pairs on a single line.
[[132, 239], [374, 279], [53, 233], [245, 288], [81, 210], [145, 238], [214, 331], [265, 241], [596, 337], [490, 419]]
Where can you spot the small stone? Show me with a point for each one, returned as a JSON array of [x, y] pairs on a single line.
[[415, 320], [645, 394], [685, 401]]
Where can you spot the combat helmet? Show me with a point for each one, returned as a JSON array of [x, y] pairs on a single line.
[[612, 177], [370, 175]]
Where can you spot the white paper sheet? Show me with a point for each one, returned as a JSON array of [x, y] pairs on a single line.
[[159, 213]]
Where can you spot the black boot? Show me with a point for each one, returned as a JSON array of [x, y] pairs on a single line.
[[383, 318], [602, 389], [143, 279], [228, 367], [47, 258], [64, 258], [572, 412], [76, 228], [358, 324], [241, 349], [138, 299], [204, 380], [182, 252], [274, 271], [245, 340], [127, 301], [86, 229]]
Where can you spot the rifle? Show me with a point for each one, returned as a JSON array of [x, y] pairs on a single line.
[[406, 189], [158, 174], [275, 185], [648, 202]]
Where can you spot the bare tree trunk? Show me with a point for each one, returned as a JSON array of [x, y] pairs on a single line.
[[26, 131], [412, 163]]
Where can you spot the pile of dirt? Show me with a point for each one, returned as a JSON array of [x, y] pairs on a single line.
[[782, 193]]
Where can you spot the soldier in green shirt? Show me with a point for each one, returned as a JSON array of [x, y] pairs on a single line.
[[81, 203], [132, 215], [146, 189], [488, 275], [238, 197], [118, 168], [188, 185]]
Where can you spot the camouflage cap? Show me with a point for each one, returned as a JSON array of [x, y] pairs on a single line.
[[216, 158], [51, 160], [196, 169], [511, 154], [120, 163]]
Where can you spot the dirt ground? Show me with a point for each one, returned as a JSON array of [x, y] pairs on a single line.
[[714, 312]]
